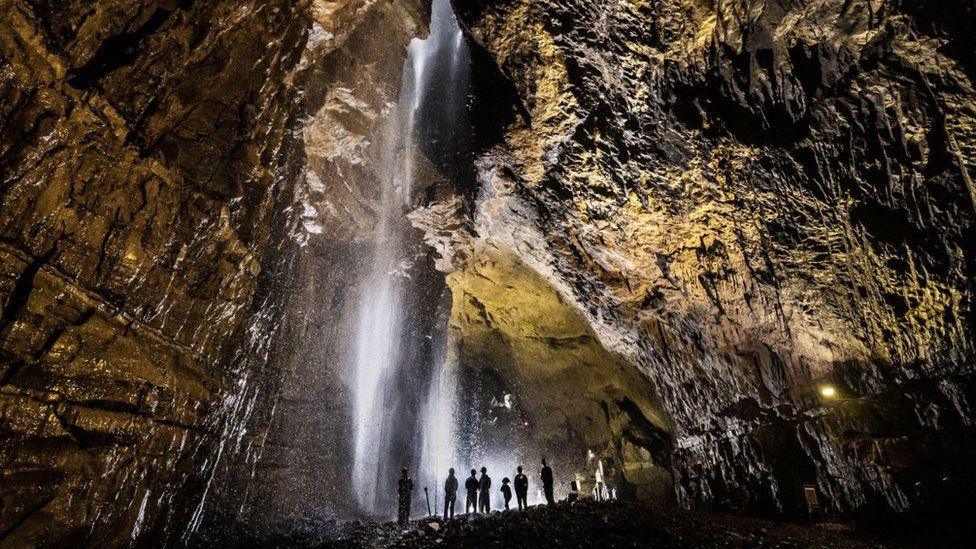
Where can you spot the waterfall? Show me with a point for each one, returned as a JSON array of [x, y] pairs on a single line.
[[395, 399]]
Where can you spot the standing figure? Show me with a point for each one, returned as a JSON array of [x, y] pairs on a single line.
[[450, 494], [547, 483], [573, 492], [471, 485], [484, 499], [404, 489], [506, 491], [521, 489]]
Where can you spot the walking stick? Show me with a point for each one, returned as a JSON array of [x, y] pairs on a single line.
[[426, 495]]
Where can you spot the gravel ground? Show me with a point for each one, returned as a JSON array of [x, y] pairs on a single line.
[[589, 524], [622, 525]]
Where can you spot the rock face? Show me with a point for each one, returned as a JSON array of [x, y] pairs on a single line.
[[750, 200], [146, 156]]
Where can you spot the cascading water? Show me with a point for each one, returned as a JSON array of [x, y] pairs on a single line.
[[404, 411], [376, 358]]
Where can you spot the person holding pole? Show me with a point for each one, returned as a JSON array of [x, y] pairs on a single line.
[[450, 494]]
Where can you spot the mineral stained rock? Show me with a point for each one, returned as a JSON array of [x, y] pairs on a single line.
[[751, 200]]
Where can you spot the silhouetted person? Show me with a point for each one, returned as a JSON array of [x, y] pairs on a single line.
[[506, 491], [450, 494], [521, 489], [404, 489], [484, 498], [471, 485], [573, 492], [547, 483]]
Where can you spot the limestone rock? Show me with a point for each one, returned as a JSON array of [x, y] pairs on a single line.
[[147, 152], [750, 199]]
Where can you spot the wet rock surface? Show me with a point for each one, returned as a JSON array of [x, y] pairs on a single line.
[[352, 72], [147, 156]]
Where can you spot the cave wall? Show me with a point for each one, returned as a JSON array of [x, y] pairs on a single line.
[[147, 153], [750, 199]]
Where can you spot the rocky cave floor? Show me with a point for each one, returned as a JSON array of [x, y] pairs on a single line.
[[604, 525]]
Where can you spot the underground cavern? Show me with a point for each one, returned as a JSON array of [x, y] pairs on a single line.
[[714, 260]]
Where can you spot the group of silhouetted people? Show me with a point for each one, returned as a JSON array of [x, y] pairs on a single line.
[[478, 492]]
